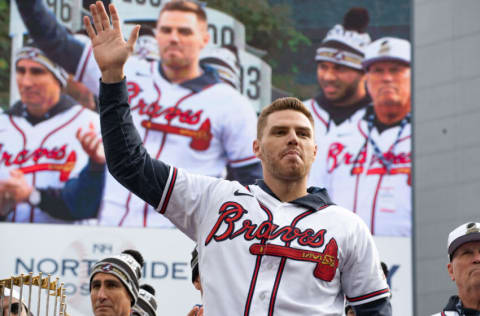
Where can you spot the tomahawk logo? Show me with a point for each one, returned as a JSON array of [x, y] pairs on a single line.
[[173, 115], [107, 267]]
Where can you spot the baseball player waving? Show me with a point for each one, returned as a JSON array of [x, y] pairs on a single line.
[[273, 248]]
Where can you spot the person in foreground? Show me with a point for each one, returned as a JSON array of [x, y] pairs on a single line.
[[279, 248], [114, 287], [464, 269]]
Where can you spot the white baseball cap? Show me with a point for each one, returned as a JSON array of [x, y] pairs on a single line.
[[387, 49], [345, 43], [462, 234], [225, 61]]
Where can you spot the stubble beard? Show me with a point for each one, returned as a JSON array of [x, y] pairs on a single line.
[[290, 172], [350, 91]]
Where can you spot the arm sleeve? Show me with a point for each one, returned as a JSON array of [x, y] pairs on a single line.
[[362, 277], [381, 307], [80, 198], [51, 37], [127, 160]]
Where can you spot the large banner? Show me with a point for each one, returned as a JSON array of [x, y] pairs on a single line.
[[362, 116], [69, 252]]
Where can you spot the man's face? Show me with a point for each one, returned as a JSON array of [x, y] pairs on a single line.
[[287, 147], [181, 37], [39, 89], [388, 83], [340, 84], [109, 296], [464, 269], [16, 308]]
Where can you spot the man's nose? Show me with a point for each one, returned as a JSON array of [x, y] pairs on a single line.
[[476, 256], [26, 79], [101, 293], [387, 76], [329, 75], [292, 138], [173, 36]]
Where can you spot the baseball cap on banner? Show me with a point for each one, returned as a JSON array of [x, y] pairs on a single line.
[[35, 54], [462, 234], [146, 303], [387, 49], [127, 267], [225, 61], [345, 43]]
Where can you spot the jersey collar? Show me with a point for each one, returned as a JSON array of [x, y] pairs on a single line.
[[455, 304], [339, 114], [197, 84], [316, 198], [20, 109]]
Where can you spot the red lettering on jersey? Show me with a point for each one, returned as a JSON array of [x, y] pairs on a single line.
[[232, 212], [25, 157], [155, 110], [133, 90], [338, 155]]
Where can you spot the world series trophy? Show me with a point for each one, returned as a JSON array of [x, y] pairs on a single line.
[[24, 294]]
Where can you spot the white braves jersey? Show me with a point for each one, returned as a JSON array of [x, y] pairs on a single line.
[[261, 256], [48, 153], [358, 179], [326, 132], [202, 130]]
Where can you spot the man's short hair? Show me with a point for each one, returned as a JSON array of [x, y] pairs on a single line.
[[185, 6], [288, 103]]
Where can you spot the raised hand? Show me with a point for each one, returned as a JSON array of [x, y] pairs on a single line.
[[109, 48]]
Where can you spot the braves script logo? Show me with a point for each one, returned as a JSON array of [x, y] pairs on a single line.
[[32, 158], [338, 155], [201, 137], [232, 212]]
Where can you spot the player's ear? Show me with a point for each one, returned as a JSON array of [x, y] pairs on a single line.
[[256, 148], [315, 151], [204, 33], [450, 271], [205, 37]]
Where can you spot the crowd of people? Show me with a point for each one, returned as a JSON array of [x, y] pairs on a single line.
[[311, 181]]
